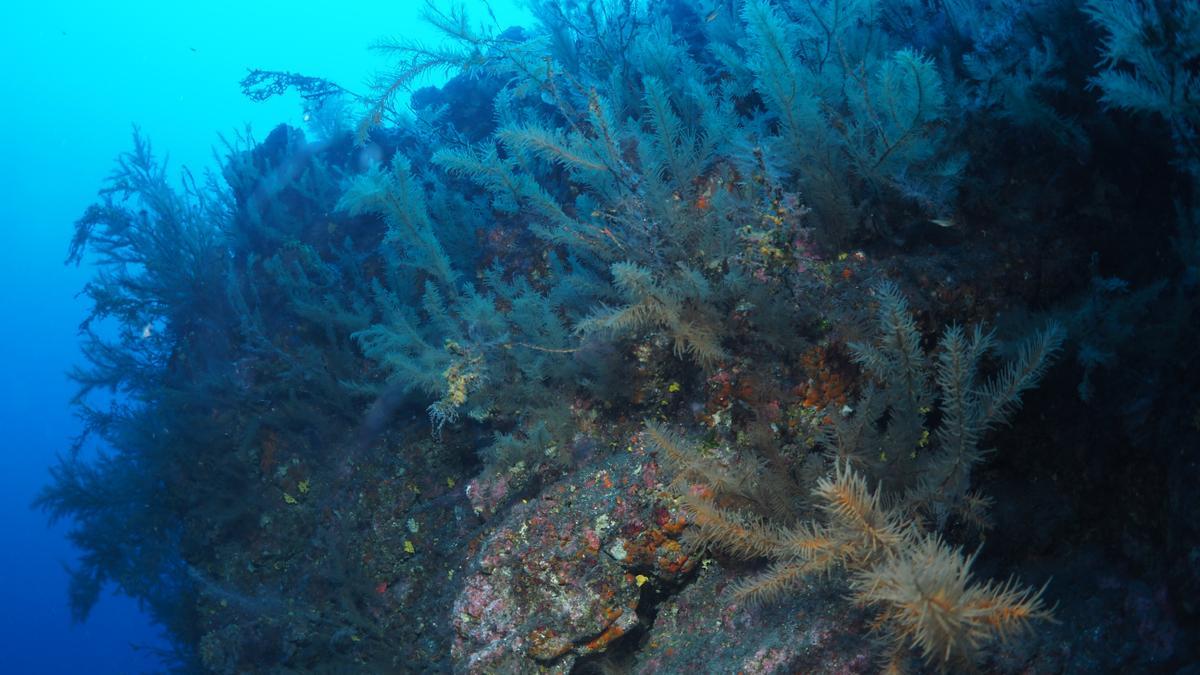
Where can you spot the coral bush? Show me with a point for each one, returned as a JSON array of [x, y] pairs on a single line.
[[885, 537], [1149, 63]]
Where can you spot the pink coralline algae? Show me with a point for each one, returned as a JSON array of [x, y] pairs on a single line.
[[562, 576]]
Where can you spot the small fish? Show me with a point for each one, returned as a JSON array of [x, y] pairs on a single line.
[[712, 16], [943, 222], [147, 331]]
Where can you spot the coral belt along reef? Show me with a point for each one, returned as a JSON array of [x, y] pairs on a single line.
[[666, 336]]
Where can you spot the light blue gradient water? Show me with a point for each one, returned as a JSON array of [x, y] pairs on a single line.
[[76, 77]]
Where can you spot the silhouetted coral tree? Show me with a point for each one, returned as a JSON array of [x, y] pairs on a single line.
[[220, 330], [154, 337]]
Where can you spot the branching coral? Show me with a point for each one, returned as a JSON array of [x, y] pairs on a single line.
[[1150, 52], [886, 436], [926, 599], [884, 537], [680, 308]]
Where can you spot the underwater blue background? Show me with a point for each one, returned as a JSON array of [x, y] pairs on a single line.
[[78, 75]]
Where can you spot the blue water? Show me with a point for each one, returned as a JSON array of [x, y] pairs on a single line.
[[77, 76]]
